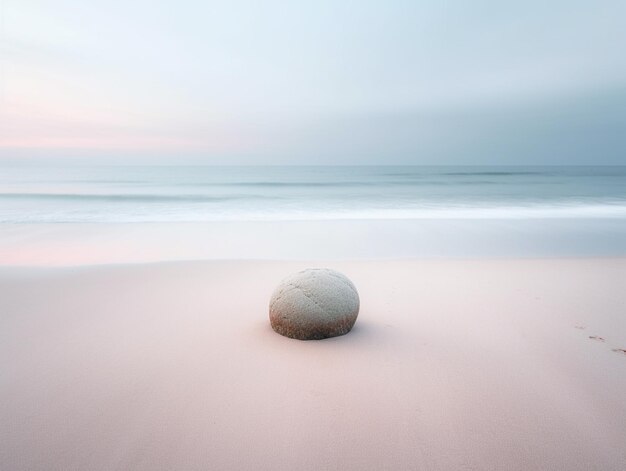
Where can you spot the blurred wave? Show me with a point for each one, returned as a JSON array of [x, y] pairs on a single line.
[[203, 193]]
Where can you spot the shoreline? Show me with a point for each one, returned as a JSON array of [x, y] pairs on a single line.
[[97, 243], [10, 270]]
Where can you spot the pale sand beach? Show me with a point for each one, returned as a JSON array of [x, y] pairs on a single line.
[[485, 364]]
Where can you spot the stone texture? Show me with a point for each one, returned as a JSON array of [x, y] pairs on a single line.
[[316, 303]]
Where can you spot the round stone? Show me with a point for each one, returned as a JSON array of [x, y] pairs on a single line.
[[316, 303]]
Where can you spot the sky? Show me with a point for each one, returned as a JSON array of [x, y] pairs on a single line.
[[320, 82]]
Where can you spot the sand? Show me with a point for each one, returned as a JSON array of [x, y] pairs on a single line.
[[452, 365]]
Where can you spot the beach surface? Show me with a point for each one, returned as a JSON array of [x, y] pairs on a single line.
[[453, 364]]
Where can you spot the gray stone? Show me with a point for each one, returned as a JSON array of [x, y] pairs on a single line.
[[316, 303]]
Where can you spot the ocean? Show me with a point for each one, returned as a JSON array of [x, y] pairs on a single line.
[[72, 215], [128, 194]]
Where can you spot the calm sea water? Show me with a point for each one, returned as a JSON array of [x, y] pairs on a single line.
[[122, 194]]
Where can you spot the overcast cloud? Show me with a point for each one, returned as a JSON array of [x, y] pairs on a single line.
[[404, 82]]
